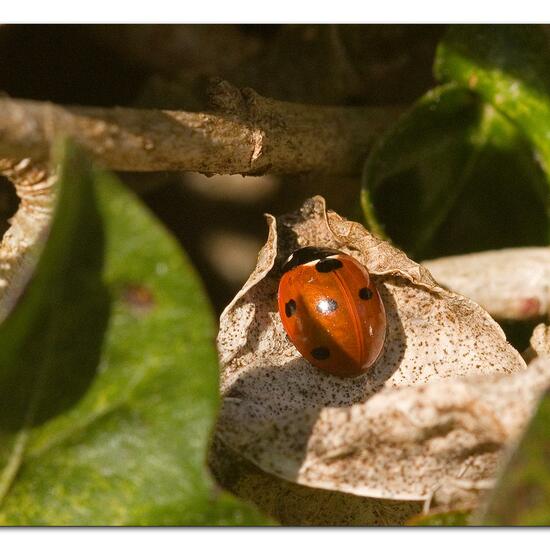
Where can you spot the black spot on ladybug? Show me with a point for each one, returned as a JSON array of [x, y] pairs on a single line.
[[365, 293], [326, 305], [328, 265], [306, 255], [320, 353], [290, 308]]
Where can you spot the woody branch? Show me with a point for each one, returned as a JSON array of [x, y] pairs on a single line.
[[243, 133]]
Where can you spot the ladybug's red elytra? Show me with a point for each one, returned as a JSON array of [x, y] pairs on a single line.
[[332, 311]]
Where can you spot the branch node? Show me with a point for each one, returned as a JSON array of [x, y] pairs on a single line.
[[224, 97]]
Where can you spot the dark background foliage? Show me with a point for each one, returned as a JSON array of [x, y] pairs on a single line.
[[218, 220]]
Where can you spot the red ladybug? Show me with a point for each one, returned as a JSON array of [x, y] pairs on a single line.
[[332, 311]]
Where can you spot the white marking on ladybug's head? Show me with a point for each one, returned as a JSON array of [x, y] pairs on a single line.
[[316, 261]]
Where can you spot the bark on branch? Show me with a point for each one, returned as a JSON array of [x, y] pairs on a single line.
[[244, 133]]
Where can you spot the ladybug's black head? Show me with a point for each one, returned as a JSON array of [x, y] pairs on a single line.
[[306, 255]]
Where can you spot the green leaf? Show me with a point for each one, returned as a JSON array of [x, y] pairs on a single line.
[[509, 67], [442, 519], [522, 495], [108, 373], [454, 176]]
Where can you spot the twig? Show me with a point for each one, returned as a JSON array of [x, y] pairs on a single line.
[[245, 133]]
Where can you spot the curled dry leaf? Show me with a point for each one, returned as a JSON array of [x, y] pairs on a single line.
[[511, 284], [34, 184], [539, 344], [426, 424]]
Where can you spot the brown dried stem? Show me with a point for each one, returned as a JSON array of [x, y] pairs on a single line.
[[245, 133]]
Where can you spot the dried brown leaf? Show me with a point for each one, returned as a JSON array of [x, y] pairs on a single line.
[[35, 186], [510, 284], [294, 504], [539, 344], [427, 423]]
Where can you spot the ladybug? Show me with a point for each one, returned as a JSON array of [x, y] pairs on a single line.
[[332, 311]]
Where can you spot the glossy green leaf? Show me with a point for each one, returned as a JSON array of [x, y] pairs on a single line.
[[522, 495], [108, 373], [454, 176], [442, 519], [509, 67]]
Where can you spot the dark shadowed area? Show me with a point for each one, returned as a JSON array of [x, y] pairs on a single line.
[[218, 219]]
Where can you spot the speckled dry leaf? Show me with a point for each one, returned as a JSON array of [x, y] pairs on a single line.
[[426, 423], [513, 283], [294, 504], [539, 344], [21, 244]]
